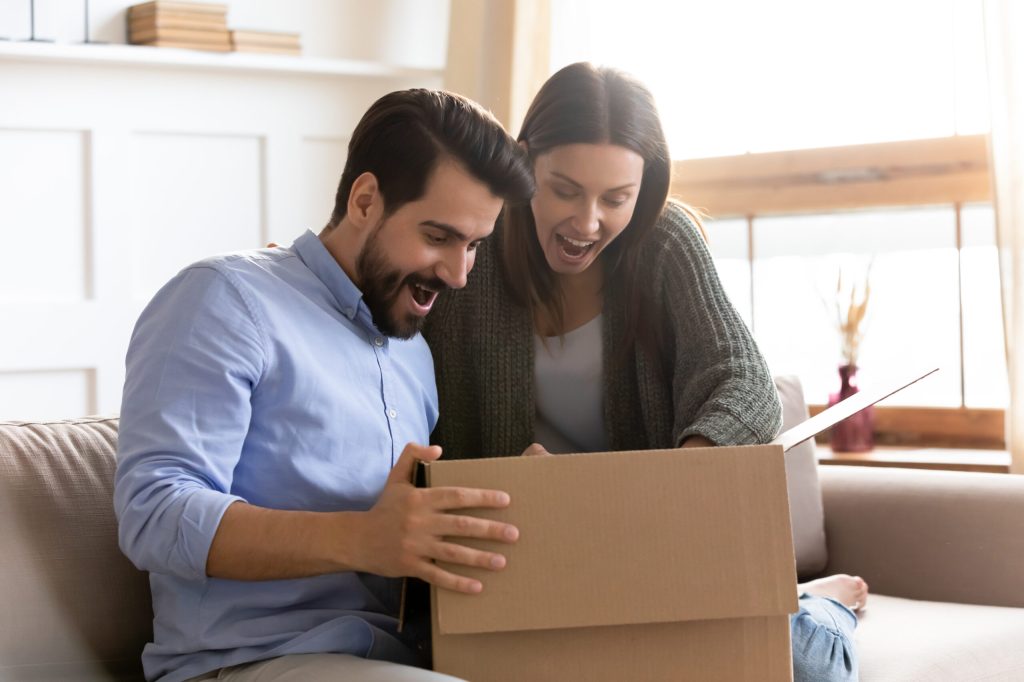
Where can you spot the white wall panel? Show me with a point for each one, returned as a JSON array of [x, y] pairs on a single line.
[[154, 166], [14, 20], [322, 160], [43, 218], [193, 196], [47, 394]]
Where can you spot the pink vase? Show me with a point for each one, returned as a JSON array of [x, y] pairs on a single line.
[[855, 433]]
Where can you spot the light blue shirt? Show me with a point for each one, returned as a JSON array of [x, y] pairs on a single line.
[[260, 376]]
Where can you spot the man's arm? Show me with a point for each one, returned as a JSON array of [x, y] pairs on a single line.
[[195, 355], [400, 536]]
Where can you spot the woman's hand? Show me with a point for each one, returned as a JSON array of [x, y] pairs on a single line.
[[697, 442], [535, 449]]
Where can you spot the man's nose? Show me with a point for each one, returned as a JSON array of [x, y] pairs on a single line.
[[454, 269]]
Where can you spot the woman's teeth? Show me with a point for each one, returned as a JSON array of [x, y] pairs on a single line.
[[574, 248]]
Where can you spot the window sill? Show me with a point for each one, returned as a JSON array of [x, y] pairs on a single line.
[[949, 459], [970, 429]]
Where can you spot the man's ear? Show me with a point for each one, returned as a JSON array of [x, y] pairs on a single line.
[[365, 203]]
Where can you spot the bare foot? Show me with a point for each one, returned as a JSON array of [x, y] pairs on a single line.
[[849, 590]]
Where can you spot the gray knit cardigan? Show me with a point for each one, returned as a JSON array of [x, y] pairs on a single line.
[[712, 381]]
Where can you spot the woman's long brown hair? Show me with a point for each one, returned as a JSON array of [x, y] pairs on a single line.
[[586, 104]]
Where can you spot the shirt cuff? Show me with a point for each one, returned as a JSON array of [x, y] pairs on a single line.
[[199, 522]]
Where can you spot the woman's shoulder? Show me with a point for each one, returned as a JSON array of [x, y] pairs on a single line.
[[487, 268], [677, 234], [678, 221]]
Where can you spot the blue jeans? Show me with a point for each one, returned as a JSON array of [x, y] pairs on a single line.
[[823, 641]]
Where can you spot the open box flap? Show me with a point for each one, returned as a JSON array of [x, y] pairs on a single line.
[[847, 408]]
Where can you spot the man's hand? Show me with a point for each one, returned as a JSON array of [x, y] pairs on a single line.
[[407, 529], [697, 442]]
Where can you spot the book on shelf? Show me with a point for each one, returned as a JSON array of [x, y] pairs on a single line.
[[188, 22], [181, 35], [269, 49], [209, 47], [161, 7], [269, 38]]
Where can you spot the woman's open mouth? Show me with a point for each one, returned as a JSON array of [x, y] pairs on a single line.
[[573, 250]]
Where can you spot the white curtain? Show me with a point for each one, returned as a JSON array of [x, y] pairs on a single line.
[[1004, 35]]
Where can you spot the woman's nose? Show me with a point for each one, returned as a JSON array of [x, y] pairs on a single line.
[[588, 221]]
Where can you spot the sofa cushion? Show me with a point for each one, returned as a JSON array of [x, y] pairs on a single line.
[[73, 607], [805, 508], [905, 640]]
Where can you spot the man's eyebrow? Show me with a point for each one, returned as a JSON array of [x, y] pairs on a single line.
[[445, 227], [572, 182]]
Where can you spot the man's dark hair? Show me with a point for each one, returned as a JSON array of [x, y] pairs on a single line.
[[405, 134]]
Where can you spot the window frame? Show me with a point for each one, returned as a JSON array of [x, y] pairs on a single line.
[[948, 171]]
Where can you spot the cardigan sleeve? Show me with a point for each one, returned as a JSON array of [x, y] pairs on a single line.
[[722, 388]]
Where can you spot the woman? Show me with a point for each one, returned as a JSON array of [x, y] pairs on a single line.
[[594, 320]]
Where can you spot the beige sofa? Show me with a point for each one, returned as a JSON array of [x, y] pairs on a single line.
[[946, 550]]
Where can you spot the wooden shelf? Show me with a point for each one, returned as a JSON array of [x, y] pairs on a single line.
[[951, 459], [172, 58]]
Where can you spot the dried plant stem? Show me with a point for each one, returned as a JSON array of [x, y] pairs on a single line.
[[851, 311]]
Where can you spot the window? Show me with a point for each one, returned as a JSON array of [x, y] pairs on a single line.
[[736, 76], [919, 277], [984, 354], [898, 93]]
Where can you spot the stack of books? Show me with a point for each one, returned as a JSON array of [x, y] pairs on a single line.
[[193, 25], [266, 41]]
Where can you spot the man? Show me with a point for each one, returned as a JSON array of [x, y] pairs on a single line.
[[272, 407]]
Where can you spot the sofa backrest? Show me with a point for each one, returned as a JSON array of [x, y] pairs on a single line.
[[805, 508], [72, 607]]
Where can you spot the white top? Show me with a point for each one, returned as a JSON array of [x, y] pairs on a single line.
[[569, 390]]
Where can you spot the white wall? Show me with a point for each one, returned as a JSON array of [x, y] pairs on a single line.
[[115, 175], [406, 32]]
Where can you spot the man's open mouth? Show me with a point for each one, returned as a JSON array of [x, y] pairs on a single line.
[[423, 296]]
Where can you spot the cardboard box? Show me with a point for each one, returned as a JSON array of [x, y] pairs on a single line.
[[648, 566], [651, 565]]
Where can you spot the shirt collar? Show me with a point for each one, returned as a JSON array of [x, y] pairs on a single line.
[[322, 264]]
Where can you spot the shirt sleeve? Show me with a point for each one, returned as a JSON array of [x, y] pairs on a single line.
[[195, 357], [722, 387]]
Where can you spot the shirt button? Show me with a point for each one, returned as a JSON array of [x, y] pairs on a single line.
[[392, 414], [349, 312], [379, 341]]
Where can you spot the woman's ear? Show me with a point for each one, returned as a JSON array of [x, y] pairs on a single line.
[[365, 203]]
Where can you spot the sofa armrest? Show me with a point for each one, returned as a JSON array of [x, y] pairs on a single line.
[[933, 535]]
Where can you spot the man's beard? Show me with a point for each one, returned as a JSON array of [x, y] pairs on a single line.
[[381, 285]]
